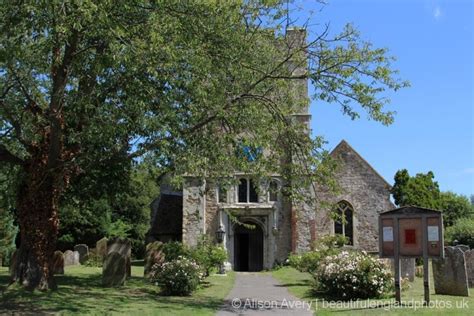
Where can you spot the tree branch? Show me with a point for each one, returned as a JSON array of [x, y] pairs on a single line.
[[7, 156]]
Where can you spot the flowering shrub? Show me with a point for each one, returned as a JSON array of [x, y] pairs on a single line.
[[177, 277], [352, 275], [208, 255], [326, 246]]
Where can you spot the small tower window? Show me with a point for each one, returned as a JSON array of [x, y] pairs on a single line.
[[247, 192], [243, 184], [273, 189]]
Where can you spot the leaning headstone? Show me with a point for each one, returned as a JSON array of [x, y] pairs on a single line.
[[101, 248], [154, 254], [469, 257], [57, 265], [83, 251], [450, 273], [117, 264], [114, 271]]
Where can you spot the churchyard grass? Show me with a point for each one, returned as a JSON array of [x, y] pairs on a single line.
[[298, 284], [80, 293]]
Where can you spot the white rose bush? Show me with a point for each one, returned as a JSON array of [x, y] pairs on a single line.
[[352, 275], [180, 277]]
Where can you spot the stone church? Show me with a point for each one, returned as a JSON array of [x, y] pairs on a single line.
[[277, 226]]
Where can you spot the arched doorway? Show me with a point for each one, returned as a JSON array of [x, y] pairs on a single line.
[[248, 247]]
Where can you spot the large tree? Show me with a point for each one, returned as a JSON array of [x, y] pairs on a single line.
[[86, 83], [419, 190]]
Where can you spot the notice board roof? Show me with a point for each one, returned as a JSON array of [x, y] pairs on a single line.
[[411, 210]]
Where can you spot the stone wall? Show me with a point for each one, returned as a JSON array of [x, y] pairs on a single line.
[[283, 234], [193, 210], [364, 189], [212, 210]]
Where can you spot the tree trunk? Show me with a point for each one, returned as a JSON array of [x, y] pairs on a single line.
[[37, 206]]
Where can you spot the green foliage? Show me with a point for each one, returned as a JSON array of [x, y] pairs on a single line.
[[180, 277], [90, 87], [208, 255], [198, 79], [310, 261], [119, 211], [117, 228], [462, 231], [454, 207], [94, 260], [352, 275], [8, 231], [175, 249], [419, 190]]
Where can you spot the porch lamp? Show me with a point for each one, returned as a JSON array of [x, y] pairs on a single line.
[[220, 234]]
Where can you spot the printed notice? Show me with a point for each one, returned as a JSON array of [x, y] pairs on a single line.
[[388, 234], [433, 233]]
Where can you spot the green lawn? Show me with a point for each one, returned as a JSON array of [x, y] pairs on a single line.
[[80, 292], [298, 285]]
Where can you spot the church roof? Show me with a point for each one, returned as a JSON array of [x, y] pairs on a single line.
[[344, 147]]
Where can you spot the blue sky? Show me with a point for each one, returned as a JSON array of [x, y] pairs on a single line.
[[433, 129]]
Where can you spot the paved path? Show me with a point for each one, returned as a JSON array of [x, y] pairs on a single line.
[[261, 294]]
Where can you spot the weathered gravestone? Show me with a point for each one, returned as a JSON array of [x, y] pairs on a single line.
[[117, 264], [469, 257], [101, 248], [153, 255], [57, 264], [114, 272], [71, 258], [83, 251], [450, 273], [407, 267]]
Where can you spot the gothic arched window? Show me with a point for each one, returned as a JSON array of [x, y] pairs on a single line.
[[343, 224]]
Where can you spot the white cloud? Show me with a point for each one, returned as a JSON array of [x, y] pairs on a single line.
[[437, 13]]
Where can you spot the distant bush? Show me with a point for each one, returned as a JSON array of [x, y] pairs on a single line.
[[208, 255], [175, 249], [309, 261], [180, 276], [462, 231], [352, 275], [93, 260]]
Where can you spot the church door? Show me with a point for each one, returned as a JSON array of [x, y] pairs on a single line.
[[248, 248]]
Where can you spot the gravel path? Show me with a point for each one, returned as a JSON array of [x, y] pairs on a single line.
[[261, 294]]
